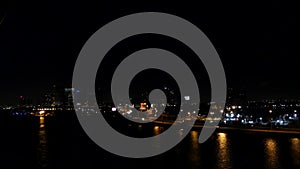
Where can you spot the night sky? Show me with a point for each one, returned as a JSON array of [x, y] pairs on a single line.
[[257, 41]]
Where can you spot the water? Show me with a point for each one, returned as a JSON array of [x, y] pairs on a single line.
[[43, 145], [60, 143]]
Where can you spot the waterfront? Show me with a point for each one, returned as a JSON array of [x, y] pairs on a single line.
[[59, 142]]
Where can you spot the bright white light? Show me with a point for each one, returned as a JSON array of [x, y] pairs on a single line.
[[113, 109], [129, 111], [186, 97]]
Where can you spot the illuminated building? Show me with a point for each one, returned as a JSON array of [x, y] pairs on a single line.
[[143, 106], [51, 98], [68, 97]]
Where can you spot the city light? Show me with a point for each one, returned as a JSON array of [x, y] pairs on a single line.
[[232, 104], [186, 98], [42, 112], [143, 106]]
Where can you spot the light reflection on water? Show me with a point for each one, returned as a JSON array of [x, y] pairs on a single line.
[[195, 153], [194, 138], [295, 147], [223, 146], [157, 130], [224, 156], [220, 152], [42, 146], [271, 154]]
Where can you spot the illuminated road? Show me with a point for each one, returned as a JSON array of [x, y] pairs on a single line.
[[262, 130], [283, 131]]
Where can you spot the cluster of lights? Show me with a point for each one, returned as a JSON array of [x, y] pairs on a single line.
[[41, 109]]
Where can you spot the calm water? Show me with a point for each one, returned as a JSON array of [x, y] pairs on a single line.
[[60, 143]]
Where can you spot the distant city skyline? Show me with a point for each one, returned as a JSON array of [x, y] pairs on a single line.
[[39, 42], [50, 119]]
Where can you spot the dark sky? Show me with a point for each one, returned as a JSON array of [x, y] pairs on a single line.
[[258, 41]]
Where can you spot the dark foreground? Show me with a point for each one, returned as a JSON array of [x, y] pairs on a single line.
[[60, 143]]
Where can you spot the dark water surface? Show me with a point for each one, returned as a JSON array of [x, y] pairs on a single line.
[[60, 143]]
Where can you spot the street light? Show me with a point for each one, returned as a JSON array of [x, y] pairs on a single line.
[[270, 111]]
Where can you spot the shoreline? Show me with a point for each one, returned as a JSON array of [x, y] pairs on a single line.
[[294, 131]]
